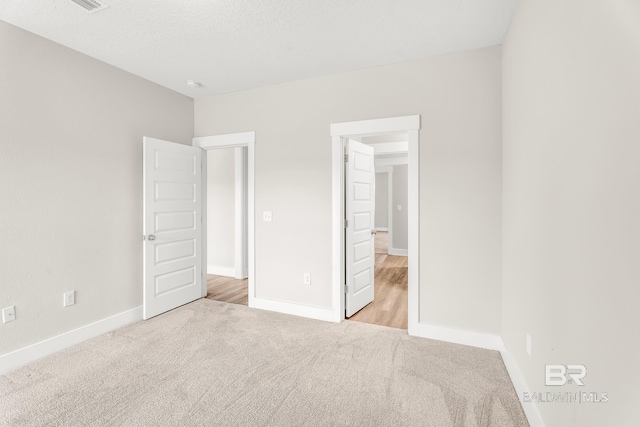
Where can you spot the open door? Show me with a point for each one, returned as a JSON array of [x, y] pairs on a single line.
[[172, 182], [360, 207]]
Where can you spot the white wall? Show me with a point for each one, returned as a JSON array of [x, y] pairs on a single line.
[[572, 201], [71, 133], [458, 97], [382, 201], [400, 235], [221, 211]]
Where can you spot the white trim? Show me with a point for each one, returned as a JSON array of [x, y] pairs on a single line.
[[240, 187], [398, 252], [386, 148], [338, 131], [390, 209], [382, 162], [205, 236], [490, 342], [413, 226], [251, 255], [221, 271], [385, 170], [459, 336], [317, 313], [375, 126], [530, 408], [337, 229], [26, 355], [242, 139]]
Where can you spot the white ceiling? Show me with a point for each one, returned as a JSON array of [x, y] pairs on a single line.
[[230, 45]]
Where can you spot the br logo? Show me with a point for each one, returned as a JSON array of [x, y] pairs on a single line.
[[562, 374]]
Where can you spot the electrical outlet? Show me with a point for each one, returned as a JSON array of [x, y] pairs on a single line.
[[529, 345], [267, 216], [8, 314], [69, 298], [307, 278]]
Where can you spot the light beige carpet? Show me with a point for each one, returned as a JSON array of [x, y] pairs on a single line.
[[219, 364]]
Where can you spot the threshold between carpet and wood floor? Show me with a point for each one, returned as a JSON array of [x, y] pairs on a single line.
[[227, 289], [389, 307], [215, 363]]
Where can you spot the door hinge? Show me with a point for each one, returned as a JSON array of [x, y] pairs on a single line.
[[346, 158], [346, 289], [346, 223]]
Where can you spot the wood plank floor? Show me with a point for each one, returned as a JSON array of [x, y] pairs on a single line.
[[389, 307], [382, 242], [390, 303], [227, 289]]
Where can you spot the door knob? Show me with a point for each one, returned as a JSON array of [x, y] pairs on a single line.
[[373, 232], [151, 237]]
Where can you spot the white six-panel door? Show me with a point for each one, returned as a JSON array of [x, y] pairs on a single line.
[[360, 207], [172, 175]]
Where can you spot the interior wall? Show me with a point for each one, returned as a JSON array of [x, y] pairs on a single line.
[[400, 217], [458, 97], [382, 201], [572, 201], [221, 210], [71, 131]]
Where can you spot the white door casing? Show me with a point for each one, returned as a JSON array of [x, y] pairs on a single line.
[[339, 131], [172, 205], [235, 140], [359, 232]]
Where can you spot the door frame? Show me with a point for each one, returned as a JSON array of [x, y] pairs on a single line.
[[241, 191], [340, 131], [388, 170], [233, 140]]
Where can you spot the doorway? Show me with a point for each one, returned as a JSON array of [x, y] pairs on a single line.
[[362, 129], [226, 179], [390, 302], [237, 271]]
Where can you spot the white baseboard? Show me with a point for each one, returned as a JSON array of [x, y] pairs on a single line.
[[457, 336], [488, 341], [317, 313], [239, 273], [23, 356], [530, 408], [221, 271], [398, 252]]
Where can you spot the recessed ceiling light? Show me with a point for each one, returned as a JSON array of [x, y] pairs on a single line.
[[194, 84]]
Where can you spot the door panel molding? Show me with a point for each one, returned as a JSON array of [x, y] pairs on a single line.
[[172, 212], [360, 213]]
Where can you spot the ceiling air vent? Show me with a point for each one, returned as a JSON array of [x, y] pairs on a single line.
[[91, 5]]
